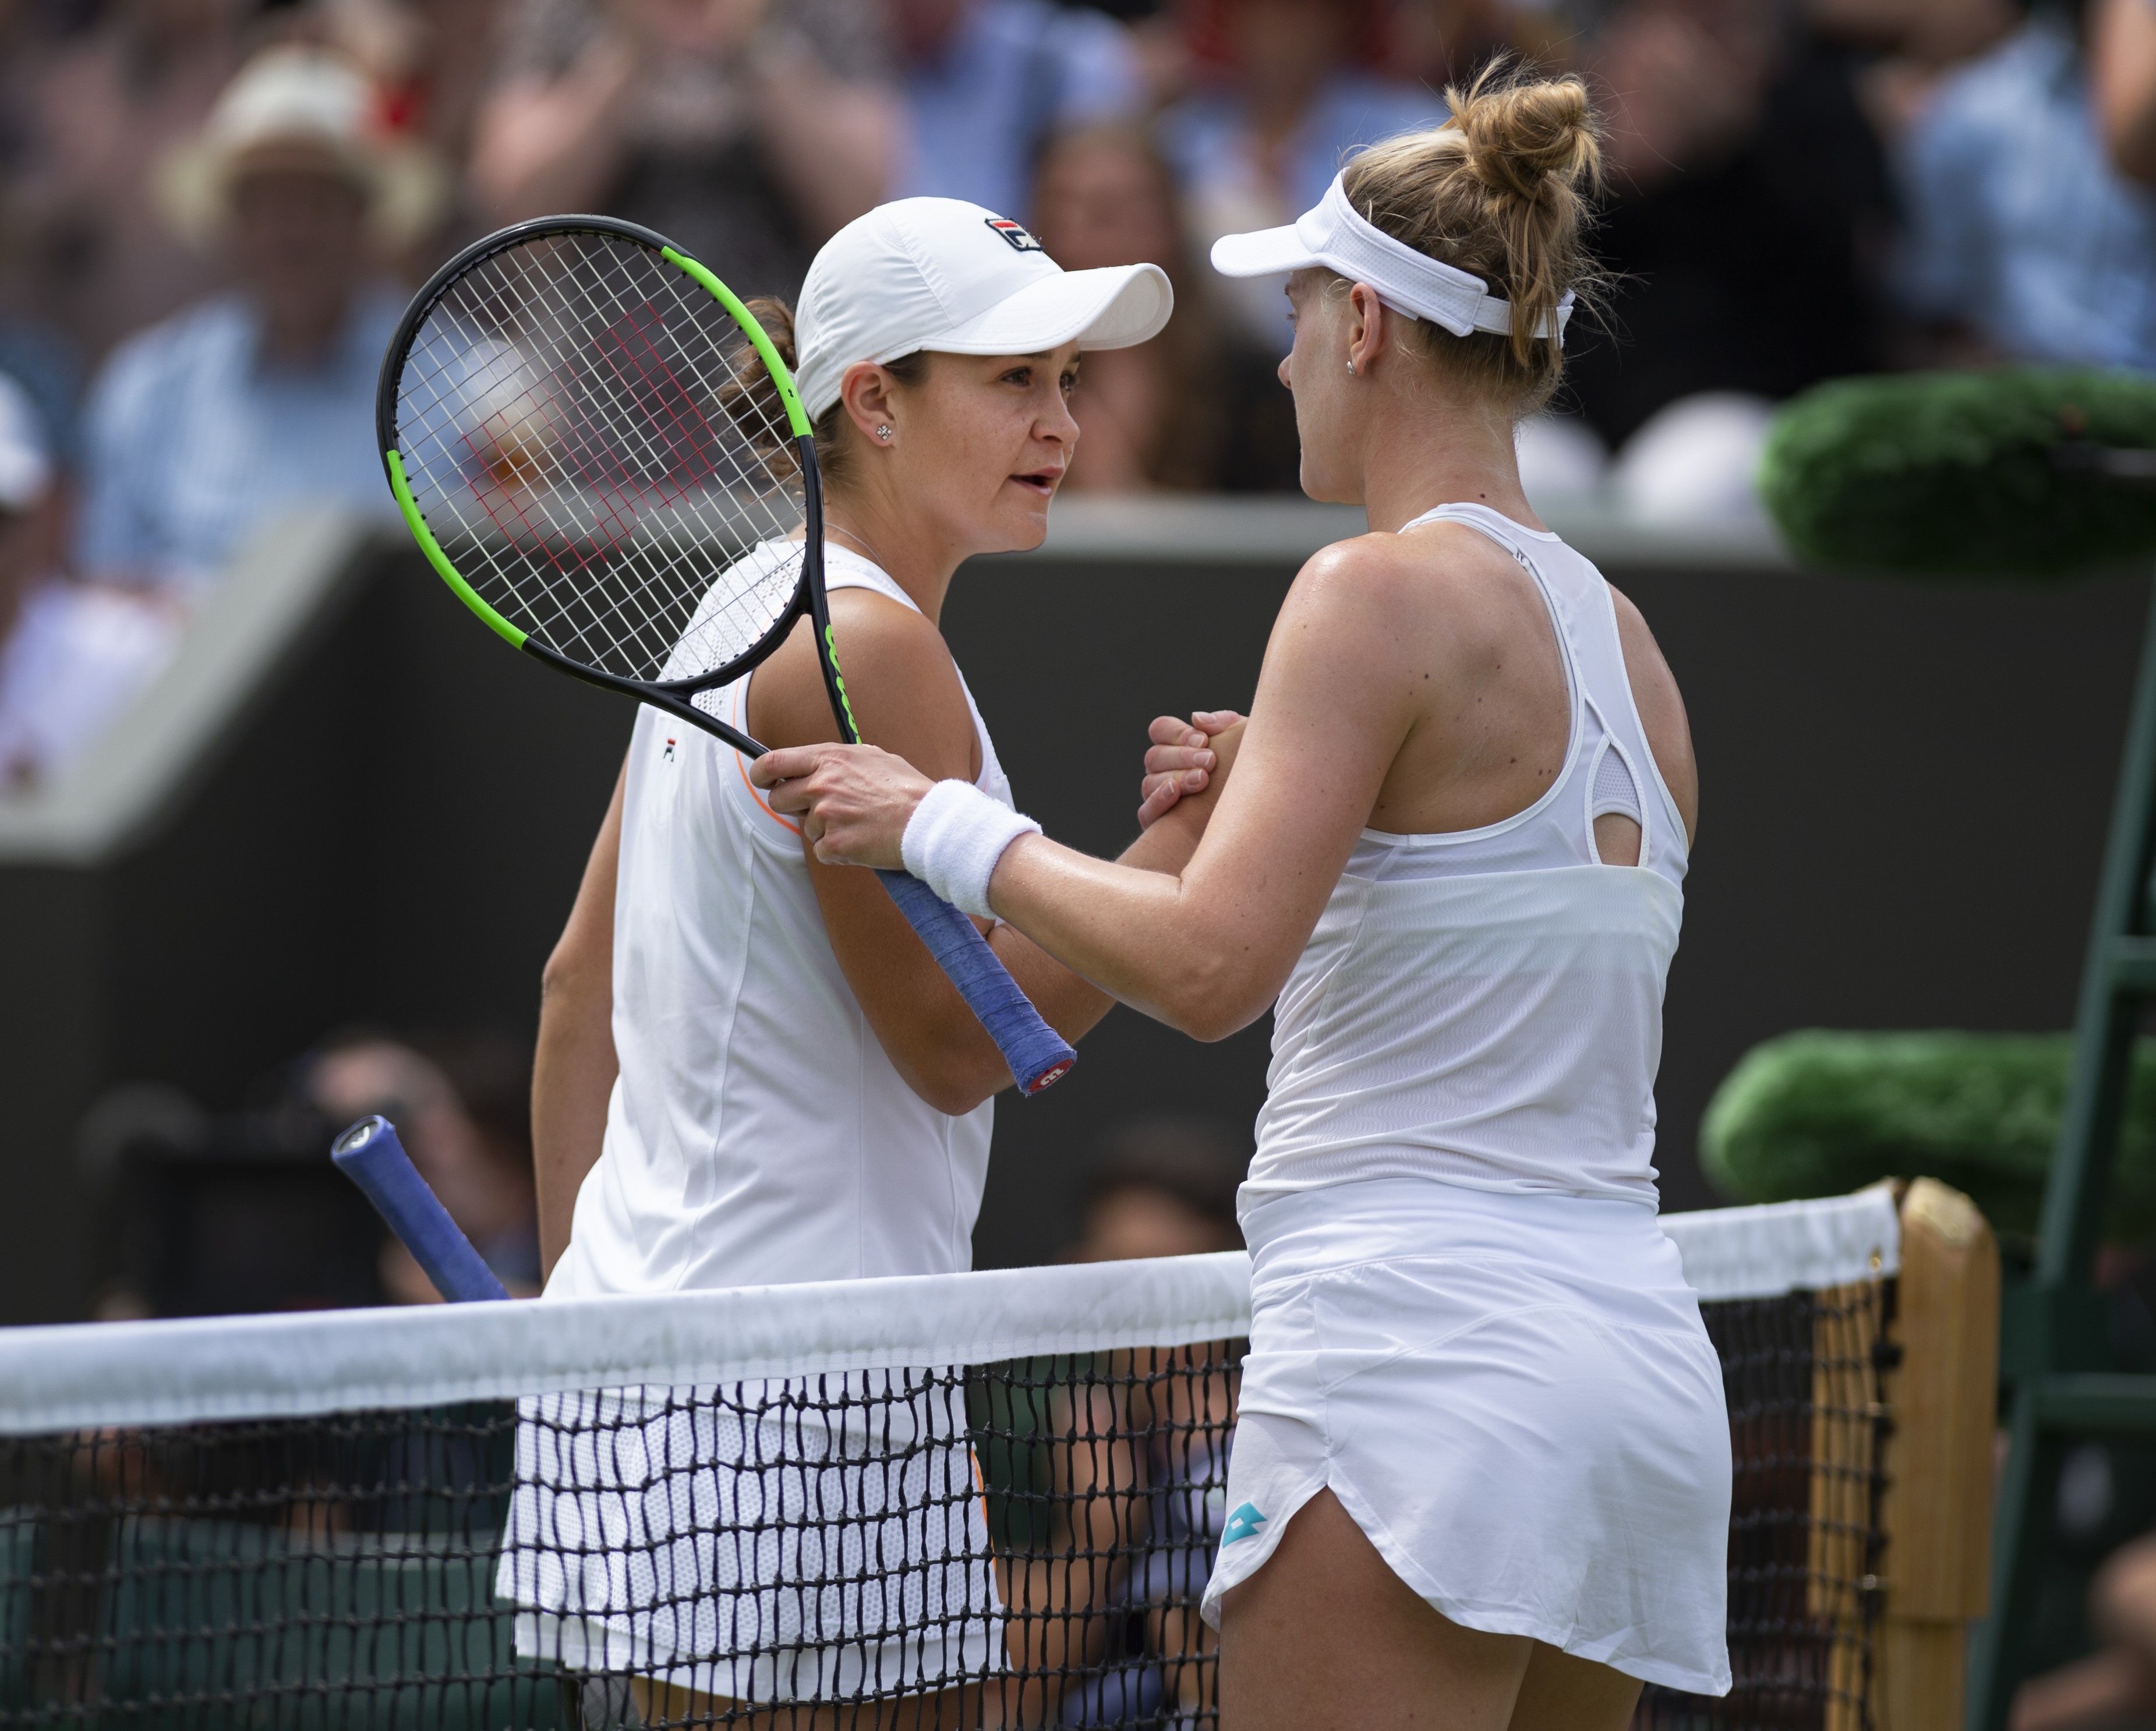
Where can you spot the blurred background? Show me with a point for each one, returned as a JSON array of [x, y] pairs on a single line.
[[284, 838]]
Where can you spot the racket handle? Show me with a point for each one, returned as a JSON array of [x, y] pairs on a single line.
[[1038, 1055], [372, 1157]]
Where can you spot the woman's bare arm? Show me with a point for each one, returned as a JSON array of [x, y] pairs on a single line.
[[1207, 949], [906, 693], [573, 1071]]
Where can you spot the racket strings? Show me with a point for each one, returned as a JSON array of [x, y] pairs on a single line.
[[582, 427], [627, 360]]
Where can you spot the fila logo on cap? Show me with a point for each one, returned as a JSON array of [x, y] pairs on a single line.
[[1021, 242]]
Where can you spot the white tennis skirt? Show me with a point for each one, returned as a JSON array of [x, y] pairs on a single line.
[[1512, 1395], [799, 1540]]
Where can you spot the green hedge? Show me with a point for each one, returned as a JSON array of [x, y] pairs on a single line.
[[1818, 1113], [1951, 474]]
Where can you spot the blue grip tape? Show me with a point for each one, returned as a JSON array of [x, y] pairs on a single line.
[[372, 1157], [1038, 1055]]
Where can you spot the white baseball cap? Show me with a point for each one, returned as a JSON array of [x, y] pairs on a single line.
[[940, 274]]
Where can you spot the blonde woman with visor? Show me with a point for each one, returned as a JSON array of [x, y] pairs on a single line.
[[1482, 1471]]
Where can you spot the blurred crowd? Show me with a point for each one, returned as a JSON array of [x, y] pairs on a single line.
[[211, 212]]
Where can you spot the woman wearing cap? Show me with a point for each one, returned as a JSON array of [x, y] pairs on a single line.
[[750, 1071], [1482, 1471]]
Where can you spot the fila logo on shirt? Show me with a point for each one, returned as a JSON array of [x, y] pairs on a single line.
[[1021, 242], [669, 750], [1246, 1523]]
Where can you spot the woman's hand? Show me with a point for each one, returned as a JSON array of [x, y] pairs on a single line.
[[1181, 760], [855, 801]]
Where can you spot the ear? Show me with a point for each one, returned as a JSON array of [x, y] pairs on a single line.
[[1368, 326], [868, 392]]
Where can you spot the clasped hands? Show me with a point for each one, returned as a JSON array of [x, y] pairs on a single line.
[[855, 801]]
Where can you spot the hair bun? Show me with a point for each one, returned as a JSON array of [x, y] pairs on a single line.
[[1530, 137]]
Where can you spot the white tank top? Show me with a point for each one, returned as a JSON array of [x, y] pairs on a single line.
[[1484, 1007], [757, 1134]]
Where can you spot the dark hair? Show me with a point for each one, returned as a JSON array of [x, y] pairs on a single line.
[[776, 318], [1500, 191], [1198, 1161]]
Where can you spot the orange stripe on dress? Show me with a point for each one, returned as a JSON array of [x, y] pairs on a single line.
[[741, 764]]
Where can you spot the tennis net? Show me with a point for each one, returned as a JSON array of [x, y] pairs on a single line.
[[974, 1499]]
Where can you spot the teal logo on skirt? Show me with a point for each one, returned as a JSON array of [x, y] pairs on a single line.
[[1246, 1523]]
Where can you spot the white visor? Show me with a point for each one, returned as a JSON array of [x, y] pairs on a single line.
[[942, 274], [1334, 234]]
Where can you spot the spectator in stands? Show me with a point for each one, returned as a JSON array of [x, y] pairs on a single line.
[[92, 118], [1750, 216], [2122, 67], [71, 653], [1290, 96], [988, 81], [1162, 1186], [204, 427], [747, 131], [2023, 237], [1158, 1187], [1197, 409], [461, 1107]]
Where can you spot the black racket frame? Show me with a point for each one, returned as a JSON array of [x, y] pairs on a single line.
[[810, 600]]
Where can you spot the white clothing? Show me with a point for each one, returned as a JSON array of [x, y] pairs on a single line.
[[1513, 1397], [761, 1542], [757, 1134], [798, 1540], [1484, 1006], [1465, 1322]]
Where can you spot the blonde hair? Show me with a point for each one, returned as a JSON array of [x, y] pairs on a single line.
[[1502, 191]]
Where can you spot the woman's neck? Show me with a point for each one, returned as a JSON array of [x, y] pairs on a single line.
[[901, 544], [1420, 458]]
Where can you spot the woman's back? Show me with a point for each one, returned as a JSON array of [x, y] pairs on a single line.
[[1482, 1005]]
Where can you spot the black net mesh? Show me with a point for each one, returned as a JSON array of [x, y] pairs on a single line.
[[1023, 1543], [1808, 1423]]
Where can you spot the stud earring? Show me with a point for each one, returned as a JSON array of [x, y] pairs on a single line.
[[1351, 369], [883, 432]]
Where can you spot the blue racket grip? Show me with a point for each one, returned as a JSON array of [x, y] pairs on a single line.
[[372, 1157], [1038, 1055]]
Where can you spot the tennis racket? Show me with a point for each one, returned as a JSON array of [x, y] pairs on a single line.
[[369, 1155], [577, 430]]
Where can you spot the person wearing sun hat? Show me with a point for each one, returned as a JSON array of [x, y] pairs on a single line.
[[252, 402]]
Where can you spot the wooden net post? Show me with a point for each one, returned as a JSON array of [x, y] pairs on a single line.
[[1937, 1508]]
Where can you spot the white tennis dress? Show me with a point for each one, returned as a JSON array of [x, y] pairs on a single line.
[[783, 1539], [1466, 1321]]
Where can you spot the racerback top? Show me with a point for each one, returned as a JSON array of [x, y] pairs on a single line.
[[1484, 1007], [757, 1134]]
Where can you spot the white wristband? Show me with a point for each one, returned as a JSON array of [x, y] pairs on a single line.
[[955, 837]]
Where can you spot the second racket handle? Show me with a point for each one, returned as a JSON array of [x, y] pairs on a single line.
[[371, 1156], [1038, 1055]]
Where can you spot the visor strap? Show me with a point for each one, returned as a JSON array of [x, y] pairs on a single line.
[[1411, 283]]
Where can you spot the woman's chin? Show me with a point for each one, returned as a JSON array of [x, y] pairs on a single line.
[[1023, 524]]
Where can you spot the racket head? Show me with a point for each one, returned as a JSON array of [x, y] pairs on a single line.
[[602, 452]]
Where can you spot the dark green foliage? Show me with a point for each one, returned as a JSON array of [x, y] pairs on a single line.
[[1818, 1114], [1952, 473]]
